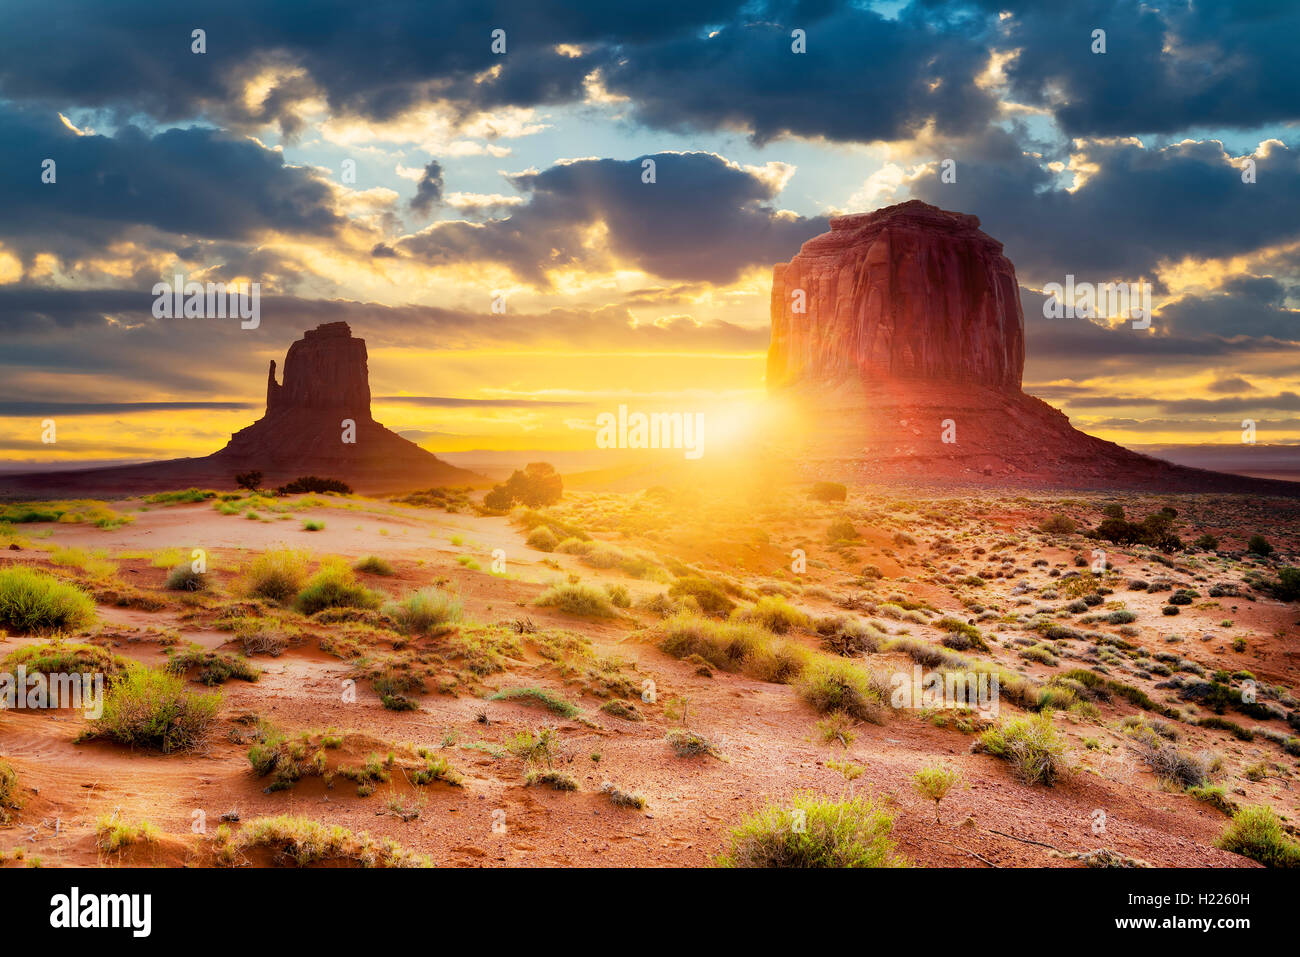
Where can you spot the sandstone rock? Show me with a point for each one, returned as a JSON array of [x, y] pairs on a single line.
[[909, 291], [913, 331], [327, 381]]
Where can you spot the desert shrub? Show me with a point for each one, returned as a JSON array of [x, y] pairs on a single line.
[[708, 594], [1058, 524], [619, 708], [334, 587], [1031, 745], [841, 530], [1287, 586], [1256, 832], [578, 599], [425, 611], [815, 832], [933, 782], [833, 684], [548, 700], [725, 645], [1213, 795], [621, 798], [59, 657], [536, 486], [542, 539], [1258, 545], [276, 575], [1169, 763], [314, 483], [619, 596], [33, 601], [10, 800], [184, 578], [688, 744], [961, 636], [779, 662], [558, 780], [302, 842], [850, 637], [248, 480], [373, 565], [214, 668], [828, 492], [112, 834], [773, 613], [149, 708]]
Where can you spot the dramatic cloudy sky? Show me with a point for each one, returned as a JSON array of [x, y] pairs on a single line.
[[479, 174]]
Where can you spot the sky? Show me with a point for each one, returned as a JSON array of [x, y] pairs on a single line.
[[383, 164]]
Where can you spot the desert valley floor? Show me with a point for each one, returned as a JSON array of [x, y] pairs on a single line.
[[441, 766]]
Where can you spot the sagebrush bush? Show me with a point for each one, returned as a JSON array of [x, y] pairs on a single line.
[[149, 708], [425, 611], [815, 832], [35, 602]]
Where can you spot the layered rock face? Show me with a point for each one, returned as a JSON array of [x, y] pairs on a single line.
[[906, 292], [327, 384], [905, 362]]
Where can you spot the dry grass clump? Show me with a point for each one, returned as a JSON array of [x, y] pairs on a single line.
[[9, 797], [552, 778], [834, 684], [688, 744], [373, 565], [425, 612], [112, 834], [59, 657], [1031, 745], [301, 842], [773, 613], [620, 798], [35, 602], [578, 599], [276, 575], [334, 586], [815, 832], [1256, 832], [542, 539], [149, 708]]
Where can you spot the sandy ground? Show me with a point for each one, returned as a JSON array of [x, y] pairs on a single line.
[[765, 735]]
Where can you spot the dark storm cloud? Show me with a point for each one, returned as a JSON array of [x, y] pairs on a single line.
[[428, 191], [134, 56], [864, 77], [702, 219], [193, 182], [1168, 65], [1141, 206]]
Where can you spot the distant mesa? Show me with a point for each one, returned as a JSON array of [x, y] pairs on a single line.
[[326, 381], [903, 327]]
